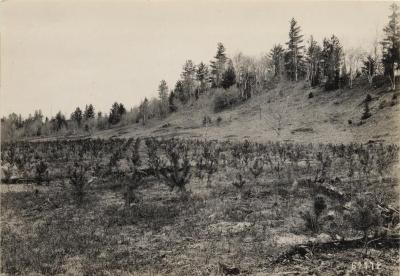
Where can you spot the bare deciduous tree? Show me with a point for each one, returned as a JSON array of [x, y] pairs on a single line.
[[354, 58]]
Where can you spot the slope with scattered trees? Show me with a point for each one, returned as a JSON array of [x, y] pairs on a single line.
[[300, 74]]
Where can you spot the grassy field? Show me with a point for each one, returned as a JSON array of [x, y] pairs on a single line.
[[235, 215]]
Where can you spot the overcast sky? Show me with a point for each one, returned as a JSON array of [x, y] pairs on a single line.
[[56, 55]]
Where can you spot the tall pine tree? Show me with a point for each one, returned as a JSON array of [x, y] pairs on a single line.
[[202, 77], [163, 96], [294, 56], [332, 55], [391, 45], [218, 66]]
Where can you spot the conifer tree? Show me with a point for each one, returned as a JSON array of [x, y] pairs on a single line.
[[202, 76], [188, 79], [276, 54], [332, 55], [121, 109], [294, 63], [229, 76], [77, 116], [163, 96], [89, 112], [391, 45], [114, 116], [180, 92], [59, 121], [218, 66], [171, 102], [144, 110]]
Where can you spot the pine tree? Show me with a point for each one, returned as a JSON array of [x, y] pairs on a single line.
[[59, 121], [180, 92], [294, 63], [229, 76], [188, 79], [121, 110], [77, 116], [202, 76], [171, 102], [144, 110], [218, 66], [163, 96], [276, 54], [89, 112], [114, 116], [391, 45], [332, 55]]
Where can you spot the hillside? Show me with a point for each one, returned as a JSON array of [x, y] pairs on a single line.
[[321, 119]]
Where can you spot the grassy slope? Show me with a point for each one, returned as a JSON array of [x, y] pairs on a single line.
[[323, 118]]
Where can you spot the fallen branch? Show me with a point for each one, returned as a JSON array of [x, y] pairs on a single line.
[[303, 249]]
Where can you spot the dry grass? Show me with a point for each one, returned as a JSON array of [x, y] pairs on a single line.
[[46, 232], [327, 114]]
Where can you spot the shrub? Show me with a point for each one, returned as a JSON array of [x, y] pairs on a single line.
[[332, 85], [319, 205], [368, 98], [41, 173], [132, 182], [208, 159], [366, 113], [77, 179], [239, 182], [135, 157], [154, 161], [310, 95], [311, 218], [7, 173], [177, 171], [364, 216], [135, 178], [207, 120], [350, 122], [224, 99], [379, 81], [219, 120], [257, 168], [394, 100]]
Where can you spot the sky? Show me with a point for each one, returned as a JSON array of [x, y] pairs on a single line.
[[57, 55]]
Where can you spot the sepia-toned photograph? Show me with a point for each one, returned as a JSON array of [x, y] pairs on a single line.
[[194, 138]]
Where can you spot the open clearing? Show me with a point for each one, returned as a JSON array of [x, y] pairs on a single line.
[[252, 223]]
